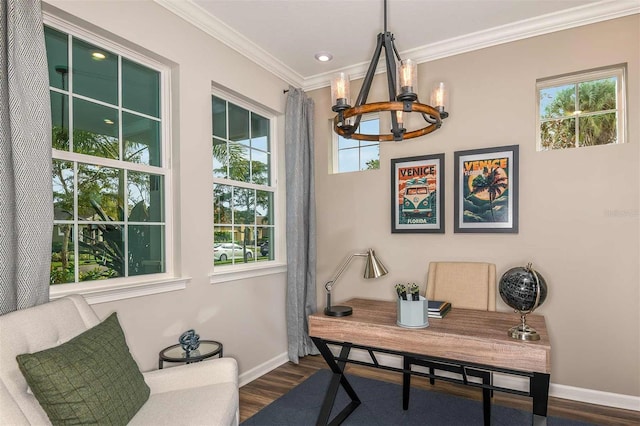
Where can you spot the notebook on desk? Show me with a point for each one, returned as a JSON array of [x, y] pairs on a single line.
[[438, 309]]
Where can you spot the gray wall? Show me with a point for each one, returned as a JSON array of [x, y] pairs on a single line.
[[579, 221]]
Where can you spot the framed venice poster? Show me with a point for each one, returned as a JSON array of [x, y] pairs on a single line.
[[417, 194], [486, 190]]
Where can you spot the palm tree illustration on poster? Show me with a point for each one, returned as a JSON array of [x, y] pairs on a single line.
[[486, 190]]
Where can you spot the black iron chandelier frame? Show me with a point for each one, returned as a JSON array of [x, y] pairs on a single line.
[[405, 102]]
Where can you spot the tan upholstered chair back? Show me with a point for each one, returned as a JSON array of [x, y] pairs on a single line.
[[469, 285]]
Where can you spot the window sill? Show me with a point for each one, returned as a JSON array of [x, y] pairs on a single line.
[[118, 291], [223, 275]]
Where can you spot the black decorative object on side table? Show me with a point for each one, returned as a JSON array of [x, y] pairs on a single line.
[[175, 353]]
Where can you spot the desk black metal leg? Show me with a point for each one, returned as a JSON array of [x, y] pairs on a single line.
[[486, 398], [338, 379], [539, 390], [406, 382]]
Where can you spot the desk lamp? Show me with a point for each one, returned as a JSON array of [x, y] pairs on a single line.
[[373, 269]]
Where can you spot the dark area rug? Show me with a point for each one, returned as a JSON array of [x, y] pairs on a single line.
[[382, 405]]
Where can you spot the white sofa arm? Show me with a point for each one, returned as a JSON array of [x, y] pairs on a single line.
[[209, 372]]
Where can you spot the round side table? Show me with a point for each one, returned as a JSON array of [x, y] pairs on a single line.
[[175, 353]]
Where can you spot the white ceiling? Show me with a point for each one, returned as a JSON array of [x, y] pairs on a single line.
[[284, 35]]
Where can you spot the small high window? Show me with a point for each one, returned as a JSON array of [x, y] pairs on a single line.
[[352, 155], [582, 109]]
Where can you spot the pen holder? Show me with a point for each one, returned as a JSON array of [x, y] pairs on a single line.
[[413, 313]]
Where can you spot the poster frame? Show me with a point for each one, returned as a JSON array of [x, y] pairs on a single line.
[[397, 186], [510, 194]]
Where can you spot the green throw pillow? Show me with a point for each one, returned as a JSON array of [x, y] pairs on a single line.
[[92, 378]]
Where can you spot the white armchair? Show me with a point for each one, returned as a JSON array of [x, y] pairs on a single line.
[[195, 394]]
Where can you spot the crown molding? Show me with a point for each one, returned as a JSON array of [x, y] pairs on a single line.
[[570, 18], [200, 18]]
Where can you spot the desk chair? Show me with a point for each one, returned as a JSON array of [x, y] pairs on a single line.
[[466, 285]]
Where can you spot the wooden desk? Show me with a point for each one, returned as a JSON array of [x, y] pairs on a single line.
[[472, 340]]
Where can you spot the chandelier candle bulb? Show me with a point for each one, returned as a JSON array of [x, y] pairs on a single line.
[[340, 91], [407, 80], [439, 97]]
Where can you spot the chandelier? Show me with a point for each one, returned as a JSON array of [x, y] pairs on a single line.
[[402, 82]]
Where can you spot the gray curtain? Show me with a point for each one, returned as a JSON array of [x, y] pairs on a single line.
[[301, 223], [26, 207]]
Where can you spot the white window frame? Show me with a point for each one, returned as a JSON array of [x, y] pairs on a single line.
[[100, 291], [240, 271], [618, 71], [335, 148]]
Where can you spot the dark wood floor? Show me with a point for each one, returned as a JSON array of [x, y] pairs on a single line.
[[256, 395]]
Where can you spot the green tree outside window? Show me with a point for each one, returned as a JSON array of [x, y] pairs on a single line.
[[581, 113]]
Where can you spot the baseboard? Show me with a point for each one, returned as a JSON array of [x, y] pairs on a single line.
[[589, 396], [262, 369], [616, 400]]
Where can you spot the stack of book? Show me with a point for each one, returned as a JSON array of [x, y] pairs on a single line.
[[438, 309]]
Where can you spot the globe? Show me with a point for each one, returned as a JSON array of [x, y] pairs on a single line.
[[518, 288], [523, 289]]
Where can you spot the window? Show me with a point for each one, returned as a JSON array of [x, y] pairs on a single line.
[[352, 155], [243, 190], [109, 172], [582, 109]]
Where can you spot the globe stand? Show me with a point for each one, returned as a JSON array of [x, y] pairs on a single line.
[[520, 304], [522, 331]]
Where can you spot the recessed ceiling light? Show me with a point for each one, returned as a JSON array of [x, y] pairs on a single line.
[[98, 56], [107, 121], [323, 56]]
